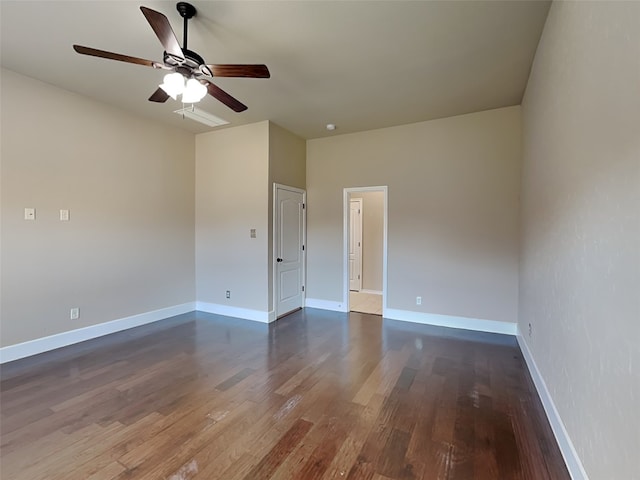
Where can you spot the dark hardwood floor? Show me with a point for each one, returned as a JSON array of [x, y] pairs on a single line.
[[317, 395]]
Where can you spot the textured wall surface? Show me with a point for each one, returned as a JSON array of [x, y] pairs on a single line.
[[580, 260], [129, 185], [232, 192], [453, 203]]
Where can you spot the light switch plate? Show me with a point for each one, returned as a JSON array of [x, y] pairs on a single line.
[[29, 213]]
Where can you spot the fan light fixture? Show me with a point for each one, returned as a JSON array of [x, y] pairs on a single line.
[[192, 77], [192, 91]]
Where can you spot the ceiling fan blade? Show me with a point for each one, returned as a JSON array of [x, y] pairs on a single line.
[[159, 96], [225, 98], [163, 30], [250, 71], [94, 52]]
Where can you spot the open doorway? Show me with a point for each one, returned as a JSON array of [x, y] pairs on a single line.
[[365, 222]]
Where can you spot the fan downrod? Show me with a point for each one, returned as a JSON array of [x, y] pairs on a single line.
[[186, 11]]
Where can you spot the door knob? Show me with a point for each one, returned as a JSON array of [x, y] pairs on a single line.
[[278, 260]]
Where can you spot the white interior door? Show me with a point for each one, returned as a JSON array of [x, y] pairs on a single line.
[[288, 249], [355, 244]]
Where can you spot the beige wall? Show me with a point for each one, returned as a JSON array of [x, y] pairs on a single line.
[[287, 166], [580, 264], [453, 211], [235, 170], [129, 186], [372, 238], [232, 192], [287, 158]]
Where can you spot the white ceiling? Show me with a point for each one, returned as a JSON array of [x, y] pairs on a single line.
[[358, 64]]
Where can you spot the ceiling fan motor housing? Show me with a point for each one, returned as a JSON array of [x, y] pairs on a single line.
[[192, 63]]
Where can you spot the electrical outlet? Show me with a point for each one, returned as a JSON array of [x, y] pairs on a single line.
[[74, 314], [529, 330], [418, 300], [228, 294], [64, 215]]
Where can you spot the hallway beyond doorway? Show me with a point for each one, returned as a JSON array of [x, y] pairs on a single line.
[[365, 302]]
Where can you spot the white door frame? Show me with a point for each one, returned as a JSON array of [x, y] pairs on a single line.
[[274, 252], [359, 272], [345, 243]]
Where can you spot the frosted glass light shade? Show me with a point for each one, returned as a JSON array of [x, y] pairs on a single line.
[[194, 91], [173, 84]]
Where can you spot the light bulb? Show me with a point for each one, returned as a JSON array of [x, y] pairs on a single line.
[[194, 91], [173, 84]]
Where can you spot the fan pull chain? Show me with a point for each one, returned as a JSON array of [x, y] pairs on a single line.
[[193, 108]]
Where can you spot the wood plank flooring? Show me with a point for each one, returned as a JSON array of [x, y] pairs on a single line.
[[317, 395]]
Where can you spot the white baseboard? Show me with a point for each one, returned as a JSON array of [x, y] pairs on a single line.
[[571, 458], [40, 345], [491, 326], [237, 312], [372, 292], [325, 304]]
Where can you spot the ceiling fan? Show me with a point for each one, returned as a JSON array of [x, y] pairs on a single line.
[[190, 76]]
